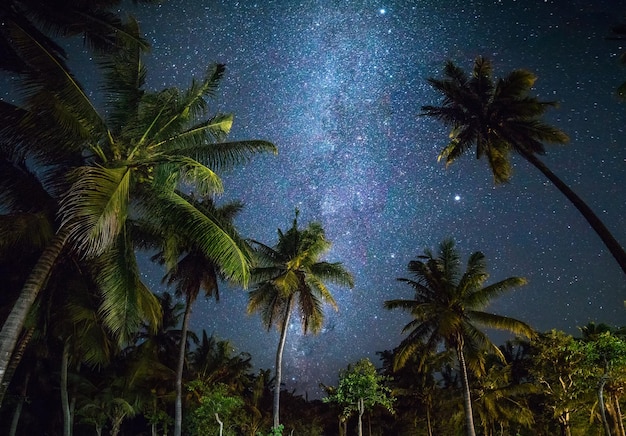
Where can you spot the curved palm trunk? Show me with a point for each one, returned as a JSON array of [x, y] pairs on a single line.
[[178, 412], [279, 361], [611, 243], [467, 400], [34, 284], [601, 406]]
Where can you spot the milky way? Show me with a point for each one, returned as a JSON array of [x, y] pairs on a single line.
[[338, 87]]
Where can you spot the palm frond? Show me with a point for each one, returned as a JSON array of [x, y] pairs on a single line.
[[480, 297], [117, 279], [125, 75], [26, 231], [182, 169], [95, 208], [101, 29], [502, 323], [225, 249], [333, 272], [50, 87], [186, 107]]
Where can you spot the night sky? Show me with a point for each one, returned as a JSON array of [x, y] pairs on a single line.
[[338, 86]]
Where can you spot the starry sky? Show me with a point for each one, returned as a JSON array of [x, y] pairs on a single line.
[[338, 86]]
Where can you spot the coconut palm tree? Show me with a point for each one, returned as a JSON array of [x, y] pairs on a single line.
[[292, 275], [447, 308], [27, 23], [109, 171], [498, 118], [192, 272]]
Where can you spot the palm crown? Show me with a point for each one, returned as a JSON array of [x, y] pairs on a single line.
[[293, 269], [496, 117], [106, 173], [447, 306]]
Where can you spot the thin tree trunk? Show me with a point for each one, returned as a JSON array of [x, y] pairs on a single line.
[[618, 415], [360, 409], [178, 408], [65, 404], [35, 282], [467, 400], [605, 422], [16, 358], [566, 430], [428, 424], [217, 417], [603, 232], [18, 407], [279, 361]]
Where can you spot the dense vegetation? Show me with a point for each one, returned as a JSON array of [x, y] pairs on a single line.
[[86, 347]]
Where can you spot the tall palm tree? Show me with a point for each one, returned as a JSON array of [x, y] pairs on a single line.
[[114, 169], [193, 272], [500, 117], [447, 308], [290, 275]]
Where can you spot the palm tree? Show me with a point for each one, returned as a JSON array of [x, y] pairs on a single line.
[[447, 309], [30, 23], [116, 169], [499, 118], [290, 275], [213, 362], [192, 272]]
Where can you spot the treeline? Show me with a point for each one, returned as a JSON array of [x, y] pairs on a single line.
[[547, 385]]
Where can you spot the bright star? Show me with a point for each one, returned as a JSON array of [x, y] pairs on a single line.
[[457, 197], [382, 11]]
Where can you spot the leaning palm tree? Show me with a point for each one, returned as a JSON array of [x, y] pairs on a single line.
[[111, 170], [498, 118], [291, 275], [447, 308]]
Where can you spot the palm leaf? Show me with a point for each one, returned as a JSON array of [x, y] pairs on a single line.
[[502, 323], [50, 86], [95, 208], [224, 248], [126, 302], [26, 231]]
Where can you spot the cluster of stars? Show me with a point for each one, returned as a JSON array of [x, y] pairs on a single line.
[[339, 92]]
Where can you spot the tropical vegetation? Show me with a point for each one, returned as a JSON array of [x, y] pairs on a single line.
[[292, 276], [447, 308], [92, 179]]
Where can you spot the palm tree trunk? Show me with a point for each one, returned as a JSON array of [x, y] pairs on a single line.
[[428, 423], [65, 403], [178, 409], [611, 243], [605, 422], [279, 361], [16, 358], [34, 284], [467, 401], [360, 409], [20, 404]]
